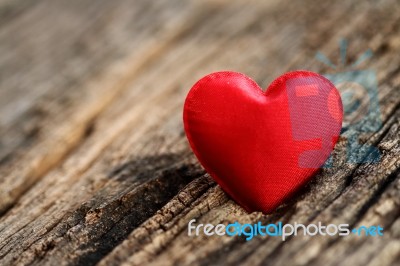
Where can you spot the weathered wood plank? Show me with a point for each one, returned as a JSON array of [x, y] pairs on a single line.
[[29, 141], [95, 167]]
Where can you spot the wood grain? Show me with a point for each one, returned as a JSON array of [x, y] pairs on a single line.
[[94, 163]]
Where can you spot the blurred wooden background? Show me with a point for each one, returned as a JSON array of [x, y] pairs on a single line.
[[94, 163]]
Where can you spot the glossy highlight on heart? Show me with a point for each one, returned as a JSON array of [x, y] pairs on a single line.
[[262, 147]]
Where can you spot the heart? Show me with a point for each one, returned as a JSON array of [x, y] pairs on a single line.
[[262, 147]]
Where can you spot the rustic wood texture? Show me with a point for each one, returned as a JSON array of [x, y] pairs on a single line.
[[94, 163]]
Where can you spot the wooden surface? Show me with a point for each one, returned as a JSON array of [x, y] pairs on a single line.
[[94, 163]]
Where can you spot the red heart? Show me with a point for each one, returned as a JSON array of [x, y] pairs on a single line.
[[261, 147]]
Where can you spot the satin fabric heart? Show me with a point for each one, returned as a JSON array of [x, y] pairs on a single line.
[[262, 147]]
